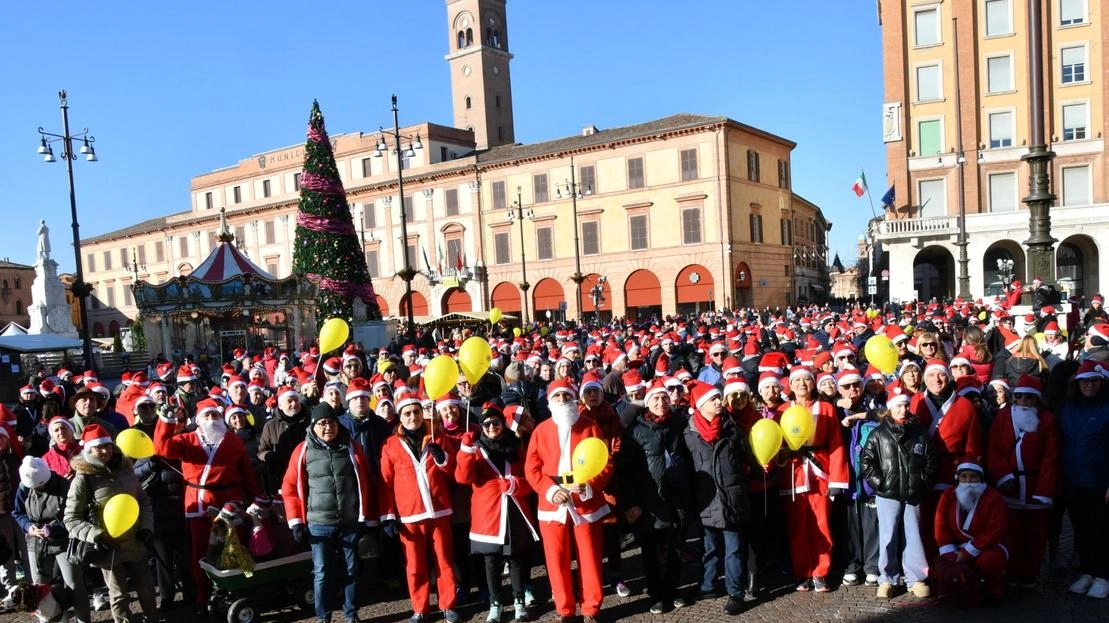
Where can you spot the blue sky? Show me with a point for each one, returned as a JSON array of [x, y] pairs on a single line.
[[187, 88]]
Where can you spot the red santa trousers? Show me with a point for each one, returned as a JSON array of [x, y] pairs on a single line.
[[991, 564], [416, 538], [1028, 537], [810, 537], [200, 530], [556, 549]]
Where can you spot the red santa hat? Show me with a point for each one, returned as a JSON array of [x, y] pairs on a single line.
[[139, 378], [103, 390], [848, 376], [1051, 328], [683, 375], [797, 372], [633, 382], [560, 386], [233, 410], [406, 398], [969, 466], [701, 393], [939, 365], [27, 390], [967, 385], [208, 405], [60, 420], [1000, 384], [333, 365], [185, 374], [656, 387], [588, 383], [1028, 384], [286, 392], [896, 395], [767, 378], [825, 376], [1090, 369], [446, 400], [736, 386], [64, 374], [95, 435], [256, 386], [960, 361], [358, 388], [896, 334], [1099, 331], [236, 380]]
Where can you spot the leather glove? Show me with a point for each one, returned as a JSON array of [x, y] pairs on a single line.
[[300, 533], [835, 491], [389, 528], [437, 453]]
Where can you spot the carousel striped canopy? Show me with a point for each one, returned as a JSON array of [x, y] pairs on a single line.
[[226, 262]]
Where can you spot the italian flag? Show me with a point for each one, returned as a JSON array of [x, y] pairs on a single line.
[[859, 187]]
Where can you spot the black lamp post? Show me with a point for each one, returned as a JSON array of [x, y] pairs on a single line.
[[517, 216], [79, 288], [1041, 246], [406, 273], [575, 191], [1005, 273]]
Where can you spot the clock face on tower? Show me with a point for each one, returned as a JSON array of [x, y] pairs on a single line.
[[694, 277], [466, 70]]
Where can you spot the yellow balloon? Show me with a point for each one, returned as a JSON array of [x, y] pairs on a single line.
[[544, 331], [517, 332], [333, 334], [881, 353], [474, 358], [589, 459], [797, 426], [440, 376], [135, 444], [120, 514], [766, 440], [495, 315], [1039, 338]]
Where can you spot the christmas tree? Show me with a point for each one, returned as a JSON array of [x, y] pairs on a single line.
[[327, 248]]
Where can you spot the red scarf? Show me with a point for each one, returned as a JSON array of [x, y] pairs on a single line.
[[709, 431]]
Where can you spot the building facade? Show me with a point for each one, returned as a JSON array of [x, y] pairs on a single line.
[[956, 123], [15, 293], [681, 214]]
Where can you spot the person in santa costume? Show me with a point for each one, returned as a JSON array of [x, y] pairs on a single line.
[[216, 469], [812, 475], [971, 528], [1023, 462], [490, 463], [952, 422], [569, 512], [416, 475]]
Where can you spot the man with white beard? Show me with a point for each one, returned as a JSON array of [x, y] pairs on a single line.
[[972, 529], [569, 512], [1023, 459], [216, 469]]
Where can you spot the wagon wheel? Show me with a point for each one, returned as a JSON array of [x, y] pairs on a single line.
[[241, 611], [305, 596]]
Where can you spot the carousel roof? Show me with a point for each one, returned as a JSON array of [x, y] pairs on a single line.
[[226, 262]]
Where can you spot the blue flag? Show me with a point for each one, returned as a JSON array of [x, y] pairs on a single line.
[[888, 198]]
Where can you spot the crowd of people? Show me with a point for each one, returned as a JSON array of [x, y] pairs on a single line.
[[959, 462]]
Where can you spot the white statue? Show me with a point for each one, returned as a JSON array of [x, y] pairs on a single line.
[[44, 241]]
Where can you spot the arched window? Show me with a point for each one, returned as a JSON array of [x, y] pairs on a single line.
[[19, 308], [498, 101], [5, 284], [18, 283], [469, 37], [461, 39], [97, 329], [467, 102], [488, 36], [496, 38]]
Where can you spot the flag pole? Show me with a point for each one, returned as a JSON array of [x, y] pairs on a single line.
[[868, 197]]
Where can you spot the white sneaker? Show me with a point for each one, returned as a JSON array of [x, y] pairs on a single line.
[[494, 613], [1082, 585], [622, 589], [850, 579], [872, 579], [1099, 589], [529, 597]]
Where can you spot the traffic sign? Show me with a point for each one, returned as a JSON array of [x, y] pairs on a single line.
[[872, 280], [872, 290]]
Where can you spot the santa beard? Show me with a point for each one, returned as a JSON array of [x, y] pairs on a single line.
[[564, 413], [969, 493], [212, 430], [1025, 419]]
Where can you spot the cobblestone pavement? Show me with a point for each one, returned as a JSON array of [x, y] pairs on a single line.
[[1050, 602]]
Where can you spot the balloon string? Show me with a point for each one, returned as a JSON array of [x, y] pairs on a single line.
[[765, 499]]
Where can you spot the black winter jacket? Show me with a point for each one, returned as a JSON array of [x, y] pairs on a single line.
[[653, 470], [899, 461], [719, 476]]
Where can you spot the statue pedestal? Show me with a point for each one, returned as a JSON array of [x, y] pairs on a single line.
[[49, 311]]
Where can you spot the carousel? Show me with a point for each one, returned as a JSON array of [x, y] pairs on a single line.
[[227, 302]]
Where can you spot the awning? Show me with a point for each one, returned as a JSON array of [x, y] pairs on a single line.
[[458, 318], [42, 343]]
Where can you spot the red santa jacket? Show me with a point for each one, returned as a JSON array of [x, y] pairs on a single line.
[[489, 523], [294, 486], [825, 467], [1031, 458], [414, 487], [213, 476], [954, 427], [125, 404], [984, 527], [547, 459]]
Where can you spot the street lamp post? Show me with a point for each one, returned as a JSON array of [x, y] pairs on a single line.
[[1005, 273], [79, 288], [514, 216], [1041, 246], [407, 273], [575, 191], [963, 289]]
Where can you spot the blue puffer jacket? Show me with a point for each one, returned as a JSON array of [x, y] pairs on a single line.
[[1085, 426]]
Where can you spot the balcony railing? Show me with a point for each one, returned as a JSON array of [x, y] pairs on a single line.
[[906, 228]]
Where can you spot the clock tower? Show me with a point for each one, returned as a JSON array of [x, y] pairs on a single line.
[[481, 91]]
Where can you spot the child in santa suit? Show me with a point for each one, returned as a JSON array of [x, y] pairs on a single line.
[[971, 527], [1024, 463], [569, 512], [416, 475], [814, 473]]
